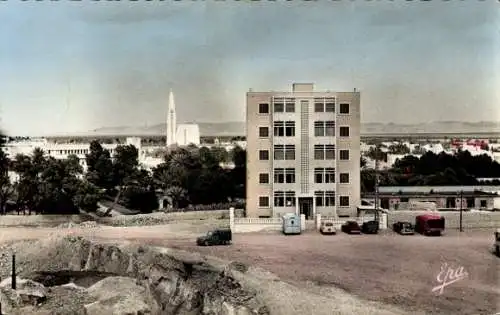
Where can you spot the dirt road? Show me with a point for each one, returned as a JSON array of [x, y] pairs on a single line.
[[399, 270]]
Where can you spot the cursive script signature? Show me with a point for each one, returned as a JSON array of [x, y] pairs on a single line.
[[447, 276]]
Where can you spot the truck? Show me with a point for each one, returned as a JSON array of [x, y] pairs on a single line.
[[429, 224], [215, 237]]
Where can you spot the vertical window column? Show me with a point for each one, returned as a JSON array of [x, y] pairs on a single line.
[[304, 146]]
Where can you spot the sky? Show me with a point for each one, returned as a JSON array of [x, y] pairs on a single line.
[[76, 66]]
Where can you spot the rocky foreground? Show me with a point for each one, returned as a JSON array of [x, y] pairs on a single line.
[[73, 270], [75, 276]]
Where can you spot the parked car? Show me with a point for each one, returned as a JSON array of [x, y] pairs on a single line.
[[403, 228], [327, 228], [429, 224], [497, 242], [215, 237], [370, 227], [351, 227]]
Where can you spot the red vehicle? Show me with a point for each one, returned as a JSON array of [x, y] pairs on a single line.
[[429, 224]]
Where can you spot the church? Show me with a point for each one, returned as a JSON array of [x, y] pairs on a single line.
[[182, 134]]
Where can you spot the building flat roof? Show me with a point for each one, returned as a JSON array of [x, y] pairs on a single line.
[[438, 189]]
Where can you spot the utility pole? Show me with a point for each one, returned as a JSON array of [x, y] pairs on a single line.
[[461, 209], [376, 182]]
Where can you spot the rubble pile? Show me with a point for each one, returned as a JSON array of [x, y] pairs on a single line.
[[84, 225], [139, 219]]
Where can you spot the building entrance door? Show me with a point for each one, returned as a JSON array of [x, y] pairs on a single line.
[[306, 207]]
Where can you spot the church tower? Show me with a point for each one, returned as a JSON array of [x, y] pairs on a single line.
[[171, 120]]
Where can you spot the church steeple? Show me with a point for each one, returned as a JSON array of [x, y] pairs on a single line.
[[171, 120]]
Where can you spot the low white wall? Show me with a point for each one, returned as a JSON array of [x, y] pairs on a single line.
[[247, 225], [470, 220], [38, 220]]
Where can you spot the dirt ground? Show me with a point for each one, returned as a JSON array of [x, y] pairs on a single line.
[[394, 269], [398, 270]]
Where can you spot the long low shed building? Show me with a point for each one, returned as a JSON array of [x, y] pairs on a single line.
[[437, 197]]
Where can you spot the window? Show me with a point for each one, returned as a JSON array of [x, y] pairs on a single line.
[[322, 105], [264, 178], [344, 155], [319, 152], [264, 202], [290, 175], [324, 128], [284, 198], [330, 128], [344, 178], [279, 152], [290, 152], [344, 131], [263, 108], [290, 105], [325, 198], [279, 198], [344, 201], [279, 128], [330, 105], [344, 108], [329, 152], [319, 129], [284, 152], [263, 132], [284, 128], [324, 175], [284, 175], [279, 175], [290, 198], [318, 107], [483, 204], [324, 152], [279, 106], [290, 128], [263, 155]]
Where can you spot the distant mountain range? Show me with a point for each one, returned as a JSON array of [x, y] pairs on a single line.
[[237, 128]]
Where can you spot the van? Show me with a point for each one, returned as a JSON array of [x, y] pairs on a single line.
[[291, 224]]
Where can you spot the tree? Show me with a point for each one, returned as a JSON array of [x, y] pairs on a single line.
[[99, 166], [194, 175], [438, 169], [140, 194], [178, 196], [6, 187], [239, 173], [399, 149], [48, 185], [362, 162], [125, 164], [376, 153]]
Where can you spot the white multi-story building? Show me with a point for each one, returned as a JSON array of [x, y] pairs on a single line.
[[303, 152]]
